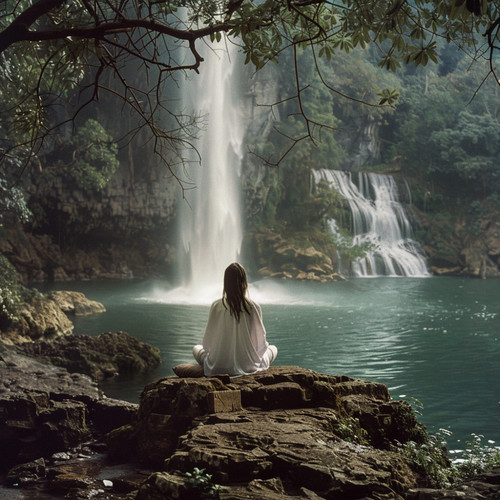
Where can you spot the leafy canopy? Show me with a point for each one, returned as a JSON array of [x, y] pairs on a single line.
[[47, 47], [94, 156]]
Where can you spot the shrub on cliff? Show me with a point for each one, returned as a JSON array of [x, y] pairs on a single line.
[[95, 156], [12, 201], [11, 293], [87, 161]]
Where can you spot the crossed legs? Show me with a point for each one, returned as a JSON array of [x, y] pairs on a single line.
[[199, 353]]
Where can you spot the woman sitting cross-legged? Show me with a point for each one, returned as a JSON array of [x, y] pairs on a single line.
[[235, 337]]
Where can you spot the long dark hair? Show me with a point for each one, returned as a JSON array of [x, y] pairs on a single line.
[[235, 289]]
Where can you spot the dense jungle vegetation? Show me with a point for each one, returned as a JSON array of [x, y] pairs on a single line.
[[442, 135]]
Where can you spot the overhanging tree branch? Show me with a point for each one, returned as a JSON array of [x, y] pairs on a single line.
[[103, 36]]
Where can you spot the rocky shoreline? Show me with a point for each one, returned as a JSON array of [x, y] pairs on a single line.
[[284, 433], [108, 355]]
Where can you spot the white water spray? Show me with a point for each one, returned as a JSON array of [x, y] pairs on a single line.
[[210, 220], [378, 218]]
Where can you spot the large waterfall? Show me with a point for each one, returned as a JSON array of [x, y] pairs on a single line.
[[378, 219], [210, 213]]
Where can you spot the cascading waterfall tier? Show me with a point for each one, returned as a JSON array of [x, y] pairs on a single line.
[[379, 220], [210, 229]]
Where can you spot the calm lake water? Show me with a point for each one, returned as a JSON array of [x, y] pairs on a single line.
[[435, 340]]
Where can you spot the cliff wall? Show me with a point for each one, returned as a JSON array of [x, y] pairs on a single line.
[[120, 232]]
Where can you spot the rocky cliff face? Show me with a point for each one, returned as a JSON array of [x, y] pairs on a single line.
[[121, 232], [455, 247], [362, 143]]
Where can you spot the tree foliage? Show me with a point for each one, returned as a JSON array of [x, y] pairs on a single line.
[[12, 202], [471, 149], [47, 46], [11, 293], [91, 157], [447, 134]]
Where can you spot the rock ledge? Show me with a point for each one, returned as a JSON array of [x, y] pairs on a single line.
[[300, 434]]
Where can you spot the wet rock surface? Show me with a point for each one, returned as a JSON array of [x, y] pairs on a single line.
[[107, 355], [82, 472], [44, 409]]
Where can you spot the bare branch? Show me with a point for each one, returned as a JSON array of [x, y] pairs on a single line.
[[293, 142], [338, 92], [16, 30]]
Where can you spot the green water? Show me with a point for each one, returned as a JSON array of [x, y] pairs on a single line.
[[434, 339]]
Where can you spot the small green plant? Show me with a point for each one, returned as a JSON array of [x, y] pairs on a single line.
[[476, 458], [202, 482], [417, 406], [11, 292], [431, 457], [349, 429]]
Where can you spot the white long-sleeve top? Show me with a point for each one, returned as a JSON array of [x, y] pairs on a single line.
[[235, 347]]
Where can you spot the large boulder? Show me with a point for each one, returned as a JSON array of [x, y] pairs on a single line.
[[287, 432], [299, 447], [76, 303], [44, 409], [107, 355], [45, 317], [40, 318]]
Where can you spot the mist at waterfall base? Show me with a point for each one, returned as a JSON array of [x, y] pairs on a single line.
[[435, 340]]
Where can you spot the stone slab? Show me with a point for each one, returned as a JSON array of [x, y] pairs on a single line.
[[224, 401]]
